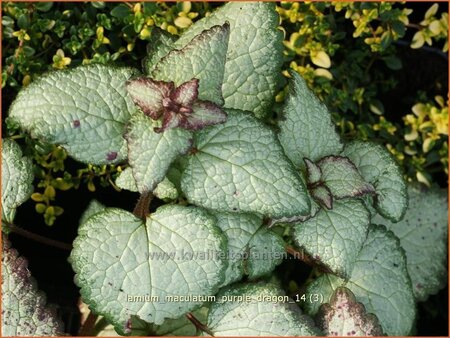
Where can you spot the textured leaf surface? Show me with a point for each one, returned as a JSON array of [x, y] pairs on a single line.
[[423, 234], [24, 312], [378, 167], [254, 57], [335, 236], [93, 208], [313, 171], [257, 316], [203, 58], [117, 256], [17, 178], [342, 177], [379, 281], [322, 195], [126, 180], [344, 316], [159, 45], [306, 130], [166, 190], [239, 166], [84, 109], [253, 250], [150, 153]]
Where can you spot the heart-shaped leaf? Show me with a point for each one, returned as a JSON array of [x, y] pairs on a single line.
[[24, 312], [203, 58], [127, 268], [334, 237], [17, 178], [379, 281], [342, 178], [84, 109], [261, 312], [150, 153], [253, 250], [344, 316], [239, 166], [306, 129], [423, 234], [378, 167], [254, 56]]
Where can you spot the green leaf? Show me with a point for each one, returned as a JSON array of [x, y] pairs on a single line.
[[379, 281], [344, 316], [17, 178], [84, 109], [254, 56], [166, 190], [239, 166], [423, 235], [322, 195], [313, 172], [24, 312], [93, 208], [117, 256], [203, 58], [253, 250], [150, 153], [306, 129], [160, 44], [377, 167], [257, 314], [342, 178], [126, 180], [335, 236]]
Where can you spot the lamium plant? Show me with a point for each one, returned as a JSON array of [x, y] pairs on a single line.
[[192, 130]]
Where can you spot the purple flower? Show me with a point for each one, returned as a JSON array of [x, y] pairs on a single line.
[[177, 106]]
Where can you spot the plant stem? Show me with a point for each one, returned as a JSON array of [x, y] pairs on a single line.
[[199, 325], [38, 238], [88, 327], [141, 209]]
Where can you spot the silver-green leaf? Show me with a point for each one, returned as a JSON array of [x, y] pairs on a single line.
[[239, 166], [17, 178], [306, 129], [119, 261], [203, 58], [344, 316], [24, 310], [335, 236], [379, 280], [342, 178], [378, 167], [253, 250], [254, 56], [257, 314], [423, 234], [150, 153], [84, 109]]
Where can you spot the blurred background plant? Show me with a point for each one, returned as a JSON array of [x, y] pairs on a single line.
[[381, 68]]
